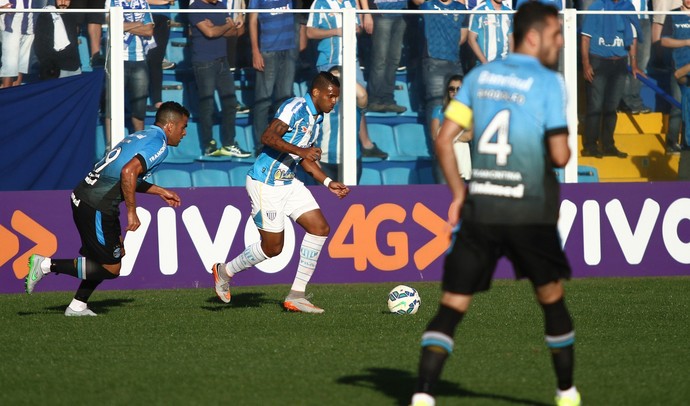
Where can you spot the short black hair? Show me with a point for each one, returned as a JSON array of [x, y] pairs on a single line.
[[170, 111], [323, 80], [531, 15]]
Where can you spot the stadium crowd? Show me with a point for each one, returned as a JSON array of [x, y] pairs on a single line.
[[404, 60]]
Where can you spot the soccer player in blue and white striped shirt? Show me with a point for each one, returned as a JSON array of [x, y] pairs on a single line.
[[275, 191]]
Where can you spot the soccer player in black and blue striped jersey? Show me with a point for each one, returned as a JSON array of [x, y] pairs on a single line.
[[516, 108], [117, 177]]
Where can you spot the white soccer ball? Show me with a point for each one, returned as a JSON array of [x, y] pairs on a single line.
[[404, 300]]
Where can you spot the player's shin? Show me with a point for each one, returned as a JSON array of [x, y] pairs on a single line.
[[309, 254], [560, 338], [437, 345], [82, 268]]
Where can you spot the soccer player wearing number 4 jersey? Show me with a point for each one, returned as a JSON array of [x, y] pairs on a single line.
[[516, 107], [96, 200], [275, 192]]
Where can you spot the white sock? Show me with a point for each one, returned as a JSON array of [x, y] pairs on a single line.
[[568, 393], [423, 399], [251, 256], [45, 266], [308, 255], [77, 305]]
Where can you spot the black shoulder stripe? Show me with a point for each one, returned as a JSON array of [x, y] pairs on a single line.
[[556, 131]]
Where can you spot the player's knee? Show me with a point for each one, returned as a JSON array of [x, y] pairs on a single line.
[[549, 293], [272, 249], [322, 230], [113, 268]]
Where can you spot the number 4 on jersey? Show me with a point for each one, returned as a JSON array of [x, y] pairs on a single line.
[[500, 147]]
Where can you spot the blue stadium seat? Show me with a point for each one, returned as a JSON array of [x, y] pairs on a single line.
[[296, 90], [587, 174], [399, 176], [172, 178], [173, 91], [178, 51], [401, 93], [426, 175], [382, 135], [370, 176], [238, 175], [411, 142], [210, 177], [188, 150]]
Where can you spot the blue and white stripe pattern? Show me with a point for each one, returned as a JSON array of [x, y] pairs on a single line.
[[81, 267], [560, 341], [276, 168], [493, 31], [330, 49], [22, 23], [135, 47], [437, 339]]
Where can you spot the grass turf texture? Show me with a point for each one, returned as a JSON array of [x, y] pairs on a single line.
[[183, 347]]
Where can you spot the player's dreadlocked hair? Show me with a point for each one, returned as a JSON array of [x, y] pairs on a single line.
[[531, 15], [323, 80]]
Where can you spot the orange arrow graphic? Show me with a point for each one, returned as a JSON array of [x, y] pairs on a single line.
[[9, 245], [46, 242], [426, 218]]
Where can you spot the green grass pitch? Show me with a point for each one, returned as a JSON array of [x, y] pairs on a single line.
[[185, 347]]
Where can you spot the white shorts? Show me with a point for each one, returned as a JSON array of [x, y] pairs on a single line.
[[270, 204], [16, 51]]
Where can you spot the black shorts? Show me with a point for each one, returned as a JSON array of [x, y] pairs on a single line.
[[100, 234], [89, 18], [534, 250]]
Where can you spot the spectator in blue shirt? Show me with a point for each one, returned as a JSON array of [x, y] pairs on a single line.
[[632, 102], [386, 50], [274, 57], [607, 42], [443, 34], [212, 74], [676, 36], [327, 28]]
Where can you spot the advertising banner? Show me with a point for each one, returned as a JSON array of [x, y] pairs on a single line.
[[378, 234]]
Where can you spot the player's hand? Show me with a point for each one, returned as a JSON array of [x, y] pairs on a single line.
[[312, 154], [454, 212], [170, 197], [133, 222], [339, 189]]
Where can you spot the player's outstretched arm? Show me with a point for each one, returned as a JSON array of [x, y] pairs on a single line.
[[170, 197], [314, 170]]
